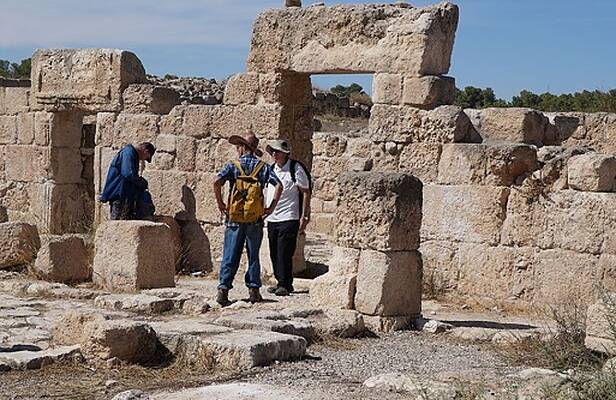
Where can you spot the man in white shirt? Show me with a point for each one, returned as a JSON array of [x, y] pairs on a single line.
[[290, 216]]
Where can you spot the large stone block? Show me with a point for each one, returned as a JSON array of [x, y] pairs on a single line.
[[25, 128], [63, 259], [17, 100], [522, 125], [19, 244], [387, 89], [492, 165], [66, 165], [174, 193], [565, 219], [8, 129], [133, 255], [146, 99], [389, 283], [464, 213], [242, 89], [344, 261], [28, 163], [134, 128], [87, 79], [592, 172], [380, 211], [333, 291], [406, 124], [62, 208], [600, 325], [357, 38], [429, 91], [421, 160]]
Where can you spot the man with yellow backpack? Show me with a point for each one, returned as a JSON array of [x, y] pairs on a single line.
[[244, 214]]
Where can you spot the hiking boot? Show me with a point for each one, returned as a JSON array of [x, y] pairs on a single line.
[[222, 297], [254, 296], [281, 291], [272, 289]]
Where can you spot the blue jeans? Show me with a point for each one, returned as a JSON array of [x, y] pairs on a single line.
[[236, 235]]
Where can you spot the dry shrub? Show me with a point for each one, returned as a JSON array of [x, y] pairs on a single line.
[[562, 347]]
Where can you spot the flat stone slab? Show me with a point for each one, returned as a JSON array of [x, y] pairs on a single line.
[[22, 360], [233, 391], [247, 349], [138, 303], [270, 321]]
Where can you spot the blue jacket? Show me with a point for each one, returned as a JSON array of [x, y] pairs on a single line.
[[123, 180]]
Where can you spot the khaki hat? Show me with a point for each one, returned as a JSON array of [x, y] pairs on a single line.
[[249, 140], [278, 145]]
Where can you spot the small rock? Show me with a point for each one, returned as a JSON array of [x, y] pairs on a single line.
[[431, 325], [132, 395], [400, 383], [113, 362], [110, 383], [610, 365]]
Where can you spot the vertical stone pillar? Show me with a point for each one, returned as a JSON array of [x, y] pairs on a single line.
[[376, 268]]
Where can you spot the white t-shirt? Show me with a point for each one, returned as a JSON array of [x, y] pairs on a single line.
[[288, 208]]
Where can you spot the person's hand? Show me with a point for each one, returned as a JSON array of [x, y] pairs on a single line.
[[303, 224]]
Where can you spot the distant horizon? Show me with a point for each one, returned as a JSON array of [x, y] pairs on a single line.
[[548, 46]]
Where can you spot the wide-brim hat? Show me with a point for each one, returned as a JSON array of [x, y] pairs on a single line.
[[249, 140], [278, 145]]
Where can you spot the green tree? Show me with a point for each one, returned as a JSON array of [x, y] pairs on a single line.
[[346, 91], [14, 70]]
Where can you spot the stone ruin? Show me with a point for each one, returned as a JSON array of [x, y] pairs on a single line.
[[503, 206]]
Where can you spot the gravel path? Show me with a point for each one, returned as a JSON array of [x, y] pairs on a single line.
[[340, 372]]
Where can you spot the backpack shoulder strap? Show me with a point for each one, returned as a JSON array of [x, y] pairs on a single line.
[[239, 166], [294, 164], [257, 168]]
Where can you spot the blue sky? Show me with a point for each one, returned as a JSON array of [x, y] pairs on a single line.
[[509, 45]]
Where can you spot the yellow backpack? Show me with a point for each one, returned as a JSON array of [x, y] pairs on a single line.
[[246, 197]]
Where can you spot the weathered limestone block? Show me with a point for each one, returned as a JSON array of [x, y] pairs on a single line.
[[344, 261], [286, 88], [428, 91], [267, 121], [58, 129], [492, 165], [30, 359], [65, 165], [357, 38], [599, 325], [62, 259], [176, 237], [333, 291], [133, 128], [421, 160], [28, 163], [244, 350], [89, 79], [389, 283], [592, 172], [62, 208], [464, 213], [19, 244], [329, 144], [174, 193], [242, 89], [149, 99], [25, 128], [566, 219], [8, 129], [522, 125], [16, 100], [127, 340], [387, 89], [406, 124], [380, 211], [132, 255]]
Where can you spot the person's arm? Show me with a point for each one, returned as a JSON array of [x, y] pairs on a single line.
[[273, 180], [219, 181], [218, 193], [303, 184], [305, 219]]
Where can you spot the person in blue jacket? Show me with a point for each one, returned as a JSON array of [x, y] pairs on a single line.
[[124, 189]]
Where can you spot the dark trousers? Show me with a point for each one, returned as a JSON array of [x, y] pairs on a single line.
[[282, 242]]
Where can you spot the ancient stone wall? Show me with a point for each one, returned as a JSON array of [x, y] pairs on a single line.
[[511, 220]]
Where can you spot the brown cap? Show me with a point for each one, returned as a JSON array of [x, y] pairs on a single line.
[[249, 140]]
